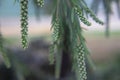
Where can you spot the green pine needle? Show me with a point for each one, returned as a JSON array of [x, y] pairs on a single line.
[[52, 54], [6, 59], [4, 53]]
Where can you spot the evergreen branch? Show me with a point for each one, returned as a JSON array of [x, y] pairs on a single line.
[[81, 62], [56, 27], [67, 34], [56, 47], [93, 16], [24, 22], [78, 11]]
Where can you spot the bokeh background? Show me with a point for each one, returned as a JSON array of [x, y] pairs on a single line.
[[32, 63]]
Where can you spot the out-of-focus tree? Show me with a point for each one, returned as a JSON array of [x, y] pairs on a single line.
[[107, 7]]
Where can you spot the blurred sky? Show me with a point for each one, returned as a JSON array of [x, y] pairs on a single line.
[[9, 17], [9, 8]]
